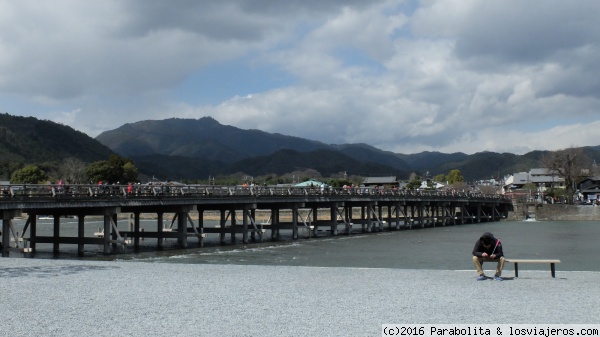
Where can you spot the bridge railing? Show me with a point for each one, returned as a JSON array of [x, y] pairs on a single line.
[[30, 191]]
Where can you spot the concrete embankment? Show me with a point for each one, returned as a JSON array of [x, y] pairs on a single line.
[[556, 212]]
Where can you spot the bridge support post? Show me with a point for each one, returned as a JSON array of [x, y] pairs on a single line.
[[333, 217], [159, 231], [201, 227], [80, 233], [245, 225], [348, 217], [370, 218], [222, 222], [274, 223], [182, 216], [233, 224], [253, 218], [380, 218], [5, 235], [113, 235], [32, 232], [295, 222], [136, 231], [56, 236], [106, 236], [7, 216]]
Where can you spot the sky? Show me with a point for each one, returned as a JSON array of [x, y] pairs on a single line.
[[403, 76]]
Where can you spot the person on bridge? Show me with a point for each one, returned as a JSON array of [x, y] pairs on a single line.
[[488, 248]]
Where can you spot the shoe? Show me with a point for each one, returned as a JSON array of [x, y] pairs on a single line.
[[481, 278], [498, 278]]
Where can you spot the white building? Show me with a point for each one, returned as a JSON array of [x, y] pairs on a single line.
[[542, 178]]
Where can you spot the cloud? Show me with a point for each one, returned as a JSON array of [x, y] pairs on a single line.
[[405, 76]]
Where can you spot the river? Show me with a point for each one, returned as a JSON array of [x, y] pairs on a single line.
[[441, 248]]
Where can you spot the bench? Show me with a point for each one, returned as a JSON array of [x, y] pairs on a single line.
[[517, 261]]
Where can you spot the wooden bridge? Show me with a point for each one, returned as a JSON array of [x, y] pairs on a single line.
[[341, 210]]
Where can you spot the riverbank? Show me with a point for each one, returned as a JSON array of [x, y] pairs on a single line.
[[69, 298], [555, 212]]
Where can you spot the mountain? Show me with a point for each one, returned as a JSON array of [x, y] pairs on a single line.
[[213, 149], [199, 138], [207, 139], [368, 153], [326, 162], [27, 140], [427, 161], [196, 149]]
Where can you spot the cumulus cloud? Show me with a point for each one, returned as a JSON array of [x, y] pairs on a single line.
[[405, 76]]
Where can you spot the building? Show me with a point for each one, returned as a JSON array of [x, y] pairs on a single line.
[[589, 189], [380, 181], [541, 180]]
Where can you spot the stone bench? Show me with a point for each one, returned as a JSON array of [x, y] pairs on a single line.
[[517, 261]]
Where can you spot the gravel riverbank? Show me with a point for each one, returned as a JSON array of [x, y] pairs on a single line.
[[90, 298]]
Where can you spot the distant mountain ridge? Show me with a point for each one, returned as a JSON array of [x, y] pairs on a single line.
[[199, 138], [226, 149], [196, 149]]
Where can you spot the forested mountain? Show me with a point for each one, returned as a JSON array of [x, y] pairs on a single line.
[[199, 138], [326, 162], [27, 140], [212, 147], [197, 149]]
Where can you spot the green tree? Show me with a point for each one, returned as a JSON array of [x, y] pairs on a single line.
[[454, 177], [130, 172], [115, 169], [440, 178], [30, 174], [413, 184]]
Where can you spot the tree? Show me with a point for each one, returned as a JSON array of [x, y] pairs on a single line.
[[73, 170], [115, 169], [566, 164], [30, 174], [414, 184], [454, 177], [440, 178], [130, 172]]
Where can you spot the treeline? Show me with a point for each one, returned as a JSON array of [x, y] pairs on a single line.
[[73, 171]]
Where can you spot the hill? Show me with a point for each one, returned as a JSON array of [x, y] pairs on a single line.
[[220, 149], [27, 140], [326, 162], [199, 138], [197, 149]]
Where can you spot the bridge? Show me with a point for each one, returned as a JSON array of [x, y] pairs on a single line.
[[338, 210]]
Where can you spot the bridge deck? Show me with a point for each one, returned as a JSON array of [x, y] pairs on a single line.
[[372, 209]]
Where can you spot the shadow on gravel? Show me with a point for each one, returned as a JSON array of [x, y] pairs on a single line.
[[48, 271]]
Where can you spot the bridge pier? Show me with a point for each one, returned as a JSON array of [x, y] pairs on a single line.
[[80, 234], [159, 230]]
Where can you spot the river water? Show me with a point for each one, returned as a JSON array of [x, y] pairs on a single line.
[[442, 248]]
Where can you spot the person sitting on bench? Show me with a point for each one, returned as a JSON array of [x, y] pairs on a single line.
[[488, 248]]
